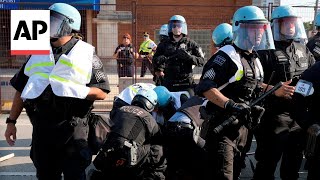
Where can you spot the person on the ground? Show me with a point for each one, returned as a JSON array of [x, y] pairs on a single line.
[[132, 149]]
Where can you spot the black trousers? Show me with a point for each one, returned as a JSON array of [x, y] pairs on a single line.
[[225, 153], [313, 169], [186, 160], [146, 64], [125, 69], [271, 147], [59, 146]]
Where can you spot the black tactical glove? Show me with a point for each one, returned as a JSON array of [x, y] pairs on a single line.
[[241, 108], [184, 55], [162, 59]]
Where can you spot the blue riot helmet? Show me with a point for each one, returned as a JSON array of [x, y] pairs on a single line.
[[163, 32], [164, 96], [222, 35], [287, 25], [146, 99], [177, 25], [63, 19], [251, 30], [317, 20]]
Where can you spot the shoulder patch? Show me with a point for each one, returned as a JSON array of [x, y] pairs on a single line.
[[219, 60], [99, 75], [210, 74], [96, 63]]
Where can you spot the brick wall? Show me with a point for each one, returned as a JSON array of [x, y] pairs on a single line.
[[200, 14]]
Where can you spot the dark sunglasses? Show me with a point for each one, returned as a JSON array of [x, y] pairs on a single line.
[[177, 25], [125, 37]]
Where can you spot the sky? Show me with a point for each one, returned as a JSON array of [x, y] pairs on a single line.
[[307, 13]]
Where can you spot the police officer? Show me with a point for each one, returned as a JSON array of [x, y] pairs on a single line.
[[306, 100], [314, 42], [168, 102], [176, 56], [146, 51], [58, 98], [184, 133], [125, 96], [131, 150], [230, 79], [279, 135], [125, 55], [163, 32], [222, 35]]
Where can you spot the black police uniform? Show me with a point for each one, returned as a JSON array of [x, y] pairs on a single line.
[[225, 148], [131, 124], [60, 125], [125, 60], [175, 59], [314, 46], [187, 159], [307, 114], [278, 135]]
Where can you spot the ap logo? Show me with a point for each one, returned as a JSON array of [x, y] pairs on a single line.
[[30, 32]]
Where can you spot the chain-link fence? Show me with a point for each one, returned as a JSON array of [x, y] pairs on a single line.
[[104, 26]]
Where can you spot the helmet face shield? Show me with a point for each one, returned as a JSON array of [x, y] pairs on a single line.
[[288, 28], [59, 25], [253, 35], [177, 27]]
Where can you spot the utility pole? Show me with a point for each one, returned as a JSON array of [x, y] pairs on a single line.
[[315, 14]]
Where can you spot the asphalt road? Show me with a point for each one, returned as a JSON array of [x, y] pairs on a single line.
[[20, 167]]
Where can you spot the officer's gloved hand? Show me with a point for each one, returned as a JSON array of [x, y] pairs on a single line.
[[184, 55], [162, 59], [240, 108]]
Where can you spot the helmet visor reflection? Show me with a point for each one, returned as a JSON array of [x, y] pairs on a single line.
[[59, 25]]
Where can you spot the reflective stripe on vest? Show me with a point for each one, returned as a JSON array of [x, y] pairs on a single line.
[[68, 77], [235, 57], [38, 69]]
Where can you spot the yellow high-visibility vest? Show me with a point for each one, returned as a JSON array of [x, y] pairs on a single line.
[[144, 47]]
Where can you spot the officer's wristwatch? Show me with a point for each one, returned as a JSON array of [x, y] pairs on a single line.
[[11, 121]]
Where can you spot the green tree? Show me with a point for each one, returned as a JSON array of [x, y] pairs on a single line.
[[308, 26]]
